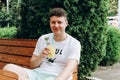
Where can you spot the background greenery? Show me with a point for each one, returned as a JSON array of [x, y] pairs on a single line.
[[7, 32], [13, 17], [112, 48], [34, 18], [113, 8]]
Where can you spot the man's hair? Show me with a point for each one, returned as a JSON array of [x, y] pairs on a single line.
[[58, 12]]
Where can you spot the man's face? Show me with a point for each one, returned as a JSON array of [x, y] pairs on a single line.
[[58, 24]]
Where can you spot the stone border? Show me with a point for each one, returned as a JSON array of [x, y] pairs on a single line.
[[109, 67]]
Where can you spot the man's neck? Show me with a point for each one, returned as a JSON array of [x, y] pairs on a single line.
[[60, 37]]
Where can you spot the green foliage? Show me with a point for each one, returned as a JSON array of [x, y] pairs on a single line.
[[113, 47], [87, 20], [4, 18], [15, 7], [34, 18], [8, 32], [113, 8], [13, 16]]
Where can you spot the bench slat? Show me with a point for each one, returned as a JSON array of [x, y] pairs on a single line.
[[6, 78], [19, 42], [25, 51], [21, 60], [2, 64], [8, 75]]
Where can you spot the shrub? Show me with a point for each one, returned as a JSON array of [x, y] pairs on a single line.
[[87, 23], [34, 18], [4, 19], [8, 32], [112, 48]]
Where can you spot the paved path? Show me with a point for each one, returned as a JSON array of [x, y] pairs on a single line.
[[108, 73]]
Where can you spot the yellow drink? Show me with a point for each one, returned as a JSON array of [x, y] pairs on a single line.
[[52, 51]]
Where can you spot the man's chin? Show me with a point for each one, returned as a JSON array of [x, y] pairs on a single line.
[[56, 33]]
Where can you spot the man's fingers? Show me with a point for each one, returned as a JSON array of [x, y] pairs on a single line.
[[48, 50]]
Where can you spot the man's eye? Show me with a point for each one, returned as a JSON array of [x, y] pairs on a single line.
[[53, 22], [59, 22]]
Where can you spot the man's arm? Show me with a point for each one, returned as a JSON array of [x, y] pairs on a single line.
[[35, 61], [68, 70]]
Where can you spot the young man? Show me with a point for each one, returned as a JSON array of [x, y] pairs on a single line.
[[57, 61]]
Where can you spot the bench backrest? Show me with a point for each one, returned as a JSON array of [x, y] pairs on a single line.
[[19, 51]]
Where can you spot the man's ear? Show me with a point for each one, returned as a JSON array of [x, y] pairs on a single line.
[[67, 23]]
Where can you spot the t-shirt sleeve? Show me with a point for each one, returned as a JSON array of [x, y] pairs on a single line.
[[74, 52], [38, 48]]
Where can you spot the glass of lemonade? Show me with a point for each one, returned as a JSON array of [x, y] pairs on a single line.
[[52, 51]]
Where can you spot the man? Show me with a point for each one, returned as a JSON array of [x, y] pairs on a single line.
[[57, 61]]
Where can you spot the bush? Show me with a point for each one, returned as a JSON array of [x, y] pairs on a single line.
[[34, 18], [13, 17], [88, 24], [8, 32], [112, 48], [4, 19]]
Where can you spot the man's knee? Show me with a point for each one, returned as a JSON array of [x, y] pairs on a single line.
[[9, 66]]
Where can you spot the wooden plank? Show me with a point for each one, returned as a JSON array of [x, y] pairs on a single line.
[[15, 59], [8, 73], [2, 64], [6, 78], [19, 42], [16, 50]]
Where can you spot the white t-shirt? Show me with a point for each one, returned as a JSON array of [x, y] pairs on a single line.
[[65, 50]]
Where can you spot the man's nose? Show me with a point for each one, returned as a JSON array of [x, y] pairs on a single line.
[[56, 24]]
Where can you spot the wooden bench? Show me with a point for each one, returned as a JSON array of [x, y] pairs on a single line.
[[17, 51]]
